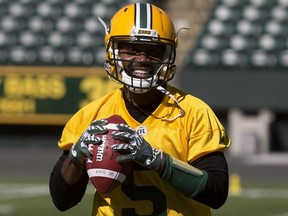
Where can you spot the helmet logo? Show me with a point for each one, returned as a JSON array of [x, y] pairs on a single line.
[[148, 34], [144, 32]]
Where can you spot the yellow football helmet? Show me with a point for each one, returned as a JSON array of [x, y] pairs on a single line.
[[142, 23]]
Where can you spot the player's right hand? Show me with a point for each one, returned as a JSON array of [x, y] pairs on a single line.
[[138, 149], [79, 151]]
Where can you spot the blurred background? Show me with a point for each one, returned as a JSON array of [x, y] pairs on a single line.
[[234, 56]]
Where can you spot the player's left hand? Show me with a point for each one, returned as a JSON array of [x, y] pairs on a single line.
[[138, 149], [79, 151]]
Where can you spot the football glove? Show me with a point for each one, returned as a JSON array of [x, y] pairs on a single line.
[[137, 149], [79, 151]]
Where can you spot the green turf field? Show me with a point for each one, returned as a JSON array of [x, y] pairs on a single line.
[[32, 199]]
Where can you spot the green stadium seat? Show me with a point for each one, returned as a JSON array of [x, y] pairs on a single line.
[[53, 32], [74, 55], [4, 56], [226, 13], [19, 9], [59, 40], [204, 57], [211, 42], [248, 28], [7, 39], [232, 3], [279, 13], [283, 58], [235, 28], [220, 28], [17, 54], [271, 43], [262, 58], [3, 9], [31, 39], [233, 58], [92, 25], [241, 42], [283, 3], [86, 40], [74, 10]]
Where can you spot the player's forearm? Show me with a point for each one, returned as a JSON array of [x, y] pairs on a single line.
[[185, 178], [209, 187], [71, 173], [64, 195], [216, 190], [215, 193]]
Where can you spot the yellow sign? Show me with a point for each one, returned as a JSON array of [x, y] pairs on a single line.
[[48, 95]]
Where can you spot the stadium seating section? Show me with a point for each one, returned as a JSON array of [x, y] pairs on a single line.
[[238, 33], [243, 33], [53, 32]]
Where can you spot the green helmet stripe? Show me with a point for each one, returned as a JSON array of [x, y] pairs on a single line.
[[143, 16]]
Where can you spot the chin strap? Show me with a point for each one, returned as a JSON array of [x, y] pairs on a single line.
[[182, 112]]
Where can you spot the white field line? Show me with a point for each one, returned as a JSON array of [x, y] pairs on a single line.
[[16, 191], [284, 214], [12, 191], [267, 193], [6, 209], [256, 193]]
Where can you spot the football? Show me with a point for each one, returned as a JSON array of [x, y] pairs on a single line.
[[104, 171]]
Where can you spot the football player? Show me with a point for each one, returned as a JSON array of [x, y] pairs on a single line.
[[174, 138]]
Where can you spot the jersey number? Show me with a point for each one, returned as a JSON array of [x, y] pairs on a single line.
[[151, 193]]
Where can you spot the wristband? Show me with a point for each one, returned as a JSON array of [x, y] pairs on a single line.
[[185, 178]]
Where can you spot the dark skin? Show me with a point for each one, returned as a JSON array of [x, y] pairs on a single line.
[[143, 55], [141, 69]]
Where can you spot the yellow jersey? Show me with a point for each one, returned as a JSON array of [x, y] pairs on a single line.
[[187, 138]]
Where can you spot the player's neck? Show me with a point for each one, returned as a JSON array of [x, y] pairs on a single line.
[[138, 100]]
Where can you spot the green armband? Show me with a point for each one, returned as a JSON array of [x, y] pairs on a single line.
[[185, 178]]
